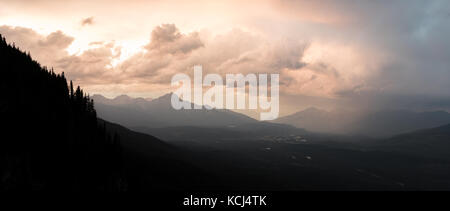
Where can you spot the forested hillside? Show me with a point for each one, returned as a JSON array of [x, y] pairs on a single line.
[[49, 136]]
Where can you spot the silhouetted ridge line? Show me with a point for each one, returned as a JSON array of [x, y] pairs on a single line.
[[51, 138]]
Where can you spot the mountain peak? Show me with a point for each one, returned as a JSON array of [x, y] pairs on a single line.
[[98, 96], [122, 97], [167, 96], [119, 100], [313, 109]]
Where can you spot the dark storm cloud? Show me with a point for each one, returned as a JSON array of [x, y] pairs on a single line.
[[411, 36]]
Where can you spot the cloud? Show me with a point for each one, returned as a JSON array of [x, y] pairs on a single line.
[[169, 52], [93, 66], [166, 48], [50, 50], [87, 21], [45, 49], [167, 39]]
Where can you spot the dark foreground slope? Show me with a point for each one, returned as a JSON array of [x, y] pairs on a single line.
[[152, 165]]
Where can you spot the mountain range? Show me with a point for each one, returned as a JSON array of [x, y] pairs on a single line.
[[379, 123], [158, 113]]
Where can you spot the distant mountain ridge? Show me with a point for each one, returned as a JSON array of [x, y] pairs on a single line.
[[430, 142], [159, 113], [382, 123], [120, 100]]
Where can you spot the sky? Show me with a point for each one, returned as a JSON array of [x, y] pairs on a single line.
[[329, 54]]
